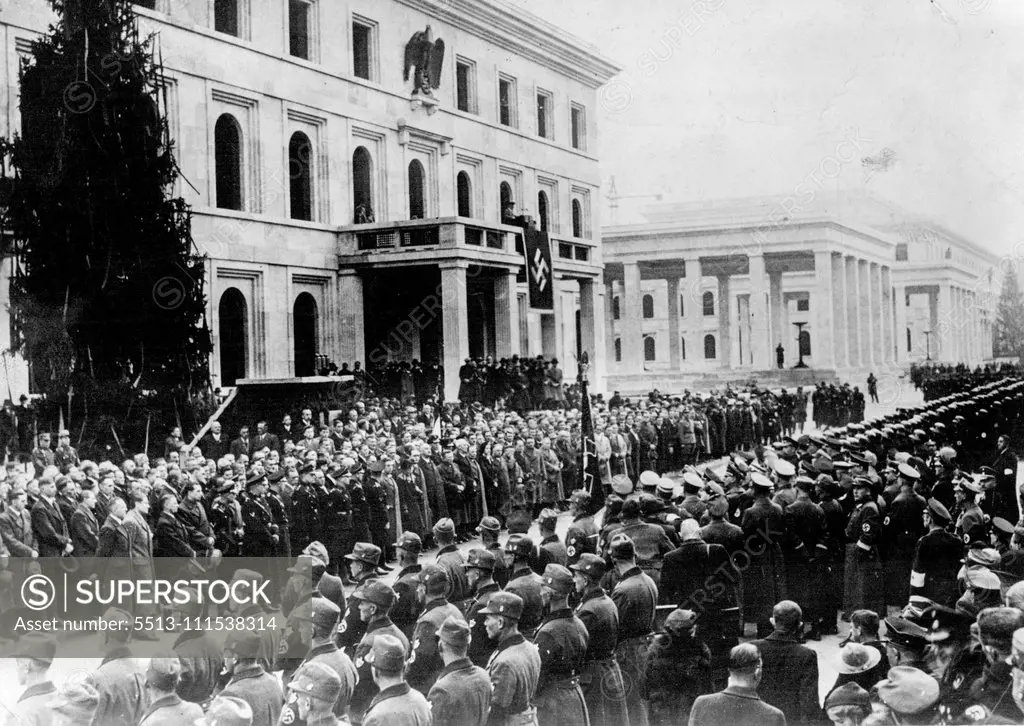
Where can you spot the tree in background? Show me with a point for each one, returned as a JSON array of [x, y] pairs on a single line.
[[107, 296], [1008, 333]]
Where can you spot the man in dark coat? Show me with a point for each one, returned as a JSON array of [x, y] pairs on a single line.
[[214, 444], [462, 692], [764, 581], [562, 643], [738, 704], [936, 561], [790, 670], [636, 598], [48, 524], [864, 585], [601, 677], [84, 529]]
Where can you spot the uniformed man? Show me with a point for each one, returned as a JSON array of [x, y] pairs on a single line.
[[971, 523], [248, 680], [164, 705], [581, 536], [260, 538], [324, 651], [562, 643], [525, 583], [489, 529], [451, 560], [514, 668], [764, 581], [987, 695], [551, 549], [902, 527], [374, 600], [424, 660], [462, 693], [600, 678], [806, 533], [651, 544], [936, 561], [120, 678], [636, 598], [395, 703], [407, 606], [306, 520], [33, 655], [863, 588], [479, 572], [313, 696], [362, 565]]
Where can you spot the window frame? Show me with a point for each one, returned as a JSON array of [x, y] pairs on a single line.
[[578, 132], [513, 104], [312, 32], [372, 50], [472, 97], [547, 115]]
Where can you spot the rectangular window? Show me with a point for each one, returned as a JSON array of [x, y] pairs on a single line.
[[507, 101], [225, 17], [802, 306], [565, 250], [544, 125], [364, 34], [578, 124], [901, 252], [582, 253], [298, 28], [465, 85]]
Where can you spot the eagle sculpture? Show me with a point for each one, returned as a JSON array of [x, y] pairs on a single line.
[[424, 58]]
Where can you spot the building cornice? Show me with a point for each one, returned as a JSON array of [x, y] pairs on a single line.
[[524, 34]]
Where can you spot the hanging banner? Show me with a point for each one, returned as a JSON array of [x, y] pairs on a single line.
[[538, 269]]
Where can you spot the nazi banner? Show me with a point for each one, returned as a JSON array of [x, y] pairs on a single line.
[[538, 269]]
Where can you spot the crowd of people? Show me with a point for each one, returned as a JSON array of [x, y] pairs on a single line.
[[638, 614], [938, 380]]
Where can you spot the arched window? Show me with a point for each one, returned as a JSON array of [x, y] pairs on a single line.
[[616, 308], [417, 203], [648, 306], [577, 218], [542, 211], [300, 166], [650, 349], [304, 315], [618, 350], [710, 347], [465, 194], [805, 343], [708, 300], [508, 211], [227, 160], [362, 185], [225, 16], [910, 342], [233, 331]]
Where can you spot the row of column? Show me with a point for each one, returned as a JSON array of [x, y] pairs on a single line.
[[852, 306]]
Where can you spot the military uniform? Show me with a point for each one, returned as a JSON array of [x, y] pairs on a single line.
[[863, 587], [562, 643], [514, 669], [526, 584], [480, 647], [461, 696], [764, 581], [580, 538], [601, 678], [451, 560], [635, 597], [366, 690], [424, 658], [407, 608], [902, 527], [552, 551]]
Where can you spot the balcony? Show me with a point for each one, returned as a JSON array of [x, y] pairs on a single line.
[[415, 240]]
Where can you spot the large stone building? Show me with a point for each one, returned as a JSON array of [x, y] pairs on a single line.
[[345, 215], [708, 292]]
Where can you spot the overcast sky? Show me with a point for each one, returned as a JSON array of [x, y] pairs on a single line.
[[728, 98]]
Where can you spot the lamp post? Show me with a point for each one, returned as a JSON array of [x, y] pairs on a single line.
[[928, 345], [800, 349]]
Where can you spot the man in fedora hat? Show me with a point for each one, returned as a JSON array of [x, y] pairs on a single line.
[[859, 664], [462, 692]]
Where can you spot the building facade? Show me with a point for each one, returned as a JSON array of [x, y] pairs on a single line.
[[351, 207], [848, 285]]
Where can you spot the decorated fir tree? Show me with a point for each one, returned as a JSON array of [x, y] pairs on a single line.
[[1008, 333]]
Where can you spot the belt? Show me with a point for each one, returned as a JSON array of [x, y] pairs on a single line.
[[523, 718], [566, 683]]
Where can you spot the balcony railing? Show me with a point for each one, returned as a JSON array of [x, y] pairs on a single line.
[[447, 232]]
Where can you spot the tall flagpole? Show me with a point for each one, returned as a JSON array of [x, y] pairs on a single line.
[[590, 473]]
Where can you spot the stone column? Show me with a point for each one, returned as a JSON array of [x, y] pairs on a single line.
[[353, 332], [866, 324], [933, 325], [506, 314], [693, 311], [674, 352], [837, 303], [888, 353], [592, 333], [778, 335], [609, 327], [759, 323], [853, 310], [631, 321], [455, 323], [823, 348], [877, 319], [724, 323], [900, 314]]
